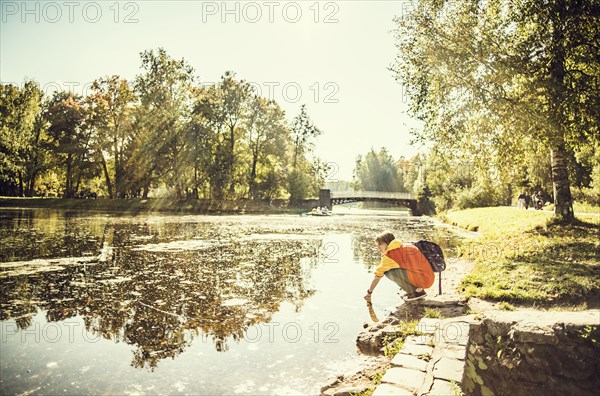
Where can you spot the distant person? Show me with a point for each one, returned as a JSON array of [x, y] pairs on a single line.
[[538, 201], [527, 200], [521, 201], [403, 264]]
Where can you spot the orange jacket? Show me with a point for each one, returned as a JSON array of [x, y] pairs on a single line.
[[410, 258]]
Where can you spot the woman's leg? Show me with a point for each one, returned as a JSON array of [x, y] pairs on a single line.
[[399, 276]]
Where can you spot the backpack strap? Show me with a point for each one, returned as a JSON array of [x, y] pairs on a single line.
[[440, 283]]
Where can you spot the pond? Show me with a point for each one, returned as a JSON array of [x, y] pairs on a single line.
[[179, 304]]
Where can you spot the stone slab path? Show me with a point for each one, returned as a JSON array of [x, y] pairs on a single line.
[[429, 364]]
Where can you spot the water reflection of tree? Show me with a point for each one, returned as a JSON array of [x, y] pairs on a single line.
[[44, 234], [160, 302], [365, 250]]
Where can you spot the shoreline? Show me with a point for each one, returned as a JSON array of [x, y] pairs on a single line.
[[159, 205], [478, 253], [376, 335]]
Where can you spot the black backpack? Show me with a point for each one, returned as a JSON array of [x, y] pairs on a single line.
[[433, 253]]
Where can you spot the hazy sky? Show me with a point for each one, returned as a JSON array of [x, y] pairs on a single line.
[[331, 55]]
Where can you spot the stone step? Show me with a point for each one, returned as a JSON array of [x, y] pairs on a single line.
[[406, 378]]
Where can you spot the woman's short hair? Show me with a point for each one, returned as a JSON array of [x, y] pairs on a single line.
[[385, 237]]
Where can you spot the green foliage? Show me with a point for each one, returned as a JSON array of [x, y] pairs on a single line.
[[163, 90], [110, 110], [162, 134], [297, 185], [586, 196], [376, 379], [476, 197], [507, 86], [70, 137], [267, 140], [424, 202], [303, 134], [591, 334], [378, 172], [23, 138]]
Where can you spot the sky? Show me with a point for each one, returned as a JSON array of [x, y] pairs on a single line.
[[332, 56]]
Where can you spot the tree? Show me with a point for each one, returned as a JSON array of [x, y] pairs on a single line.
[[377, 172], [235, 96], [164, 93], [302, 173], [267, 137], [220, 111], [207, 130], [480, 74], [22, 133], [70, 136], [111, 103], [304, 133]]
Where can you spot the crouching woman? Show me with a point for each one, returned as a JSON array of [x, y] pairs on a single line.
[[403, 264]]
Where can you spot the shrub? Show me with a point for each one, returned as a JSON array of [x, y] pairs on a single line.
[[587, 195], [476, 197]]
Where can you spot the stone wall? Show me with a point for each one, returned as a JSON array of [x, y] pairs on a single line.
[[533, 352]]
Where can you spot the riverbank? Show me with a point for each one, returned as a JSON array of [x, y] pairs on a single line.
[[138, 205], [383, 339], [519, 259], [524, 258]]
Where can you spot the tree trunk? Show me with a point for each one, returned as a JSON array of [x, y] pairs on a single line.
[[118, 187], [252, 181], [106, 176], [563, 203], [31, 184], [296, 149], [78, 183], [20, 177], [195, 189], [231, 162], [68, 187]]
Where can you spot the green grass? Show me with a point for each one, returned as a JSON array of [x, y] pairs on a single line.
[[523, 257], [456, 388], [579, 207], [506, 306], [375, 380], [432, 313], [392, 346]]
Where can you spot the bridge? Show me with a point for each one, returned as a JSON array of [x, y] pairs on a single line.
[[329, 198]]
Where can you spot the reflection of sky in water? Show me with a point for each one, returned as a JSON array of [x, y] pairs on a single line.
[[187, 304]]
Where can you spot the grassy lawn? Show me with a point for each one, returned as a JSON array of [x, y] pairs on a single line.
[[522, 257], [579, 207]]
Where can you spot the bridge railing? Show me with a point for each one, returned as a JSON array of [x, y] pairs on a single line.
[[372, 194]]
